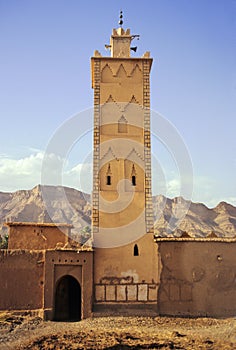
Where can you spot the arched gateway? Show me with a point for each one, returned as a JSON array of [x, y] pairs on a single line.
[[67, 302]]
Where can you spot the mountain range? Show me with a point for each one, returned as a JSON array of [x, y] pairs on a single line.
[[59, 204]]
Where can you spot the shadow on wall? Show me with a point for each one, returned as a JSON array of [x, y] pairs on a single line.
[[67, 300]]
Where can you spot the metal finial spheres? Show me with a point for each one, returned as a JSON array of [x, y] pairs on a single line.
[[121, 18]]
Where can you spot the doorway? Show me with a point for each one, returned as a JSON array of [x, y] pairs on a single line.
[[67, 305]]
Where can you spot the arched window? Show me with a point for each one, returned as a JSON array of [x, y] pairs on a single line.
[[133, 180], [136, 253], [108, 180], [133, 176], [109, 175]]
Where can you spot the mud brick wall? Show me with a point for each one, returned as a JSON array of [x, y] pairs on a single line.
[[124, 290], [198, 278], [21, 276], [37, 237]]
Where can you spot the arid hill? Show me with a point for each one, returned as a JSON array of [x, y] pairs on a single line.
[[177, 216], [63, 204], [46, 204]]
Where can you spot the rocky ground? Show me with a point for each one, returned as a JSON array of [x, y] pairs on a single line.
[[27, 332]]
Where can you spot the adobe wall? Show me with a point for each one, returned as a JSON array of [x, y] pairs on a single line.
[[78, 264], [122, 278], [22, 280], [37, 236], [198, 278]]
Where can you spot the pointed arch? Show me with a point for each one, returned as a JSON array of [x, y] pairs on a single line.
[[108, 175], [133, 100], [131, 105], [107, 75], [110, 99], [134, 172], [136, 73], [109, 154], [134, 154], [121, 73], [133, 176]]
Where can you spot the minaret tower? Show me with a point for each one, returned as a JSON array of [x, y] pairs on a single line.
[[125, 257]]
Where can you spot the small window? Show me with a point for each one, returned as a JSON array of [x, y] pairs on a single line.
[[136, 253], [108, 180], [133, 180], [122, 125]]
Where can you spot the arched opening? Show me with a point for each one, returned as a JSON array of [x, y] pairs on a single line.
[[133, 180], [108, 180], [136, 253], [109, 175], [67, 300]]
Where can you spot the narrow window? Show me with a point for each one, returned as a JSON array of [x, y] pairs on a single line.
[[133, 180], [108, 180], [108, 175], [136, 250], [133, 176]]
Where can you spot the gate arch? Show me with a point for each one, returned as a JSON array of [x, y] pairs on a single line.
[[67, 301]]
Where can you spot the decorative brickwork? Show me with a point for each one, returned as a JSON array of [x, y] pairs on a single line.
[[121, 98], [147, 145], [96, 142], [135, 293]]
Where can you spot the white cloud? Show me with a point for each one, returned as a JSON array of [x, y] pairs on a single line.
[[27, 172], [210, 191], [21, 173], [173, 188], [206, 189], [80, 177]]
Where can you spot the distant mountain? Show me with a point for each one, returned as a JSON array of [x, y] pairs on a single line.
[[199, 221], [46, 204], [62, 204]]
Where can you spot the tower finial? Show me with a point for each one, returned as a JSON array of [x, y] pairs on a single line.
[[121, 18]]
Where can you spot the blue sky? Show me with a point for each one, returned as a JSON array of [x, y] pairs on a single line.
[[45, 79]]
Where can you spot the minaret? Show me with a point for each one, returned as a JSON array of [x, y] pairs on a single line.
[[125, 259]]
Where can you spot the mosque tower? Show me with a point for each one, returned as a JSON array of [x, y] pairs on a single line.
[[125, 256]]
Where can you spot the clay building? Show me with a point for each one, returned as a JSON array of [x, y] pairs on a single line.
[[128, 269], [43, 270], [198, 276]]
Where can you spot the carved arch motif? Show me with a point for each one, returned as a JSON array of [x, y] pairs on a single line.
[[121, 73], [133, 100], [134, 154], [107, 75], [136, 73], [107, 156]]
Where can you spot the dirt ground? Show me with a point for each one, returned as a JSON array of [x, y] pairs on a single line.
[[27, 332]]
